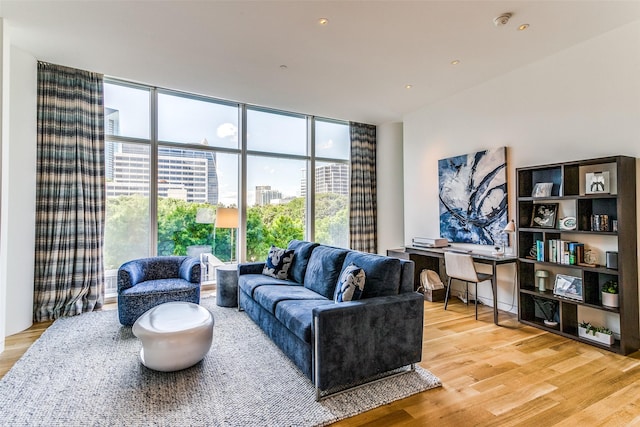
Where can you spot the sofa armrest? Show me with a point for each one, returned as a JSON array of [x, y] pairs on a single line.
[[190, 270], [250, 268], [356, 340]]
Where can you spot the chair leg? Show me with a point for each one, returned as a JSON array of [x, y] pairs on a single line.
[[476, 298], [466, 284], [447, 293]]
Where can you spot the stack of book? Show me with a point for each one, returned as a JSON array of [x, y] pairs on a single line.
[[564, 252]]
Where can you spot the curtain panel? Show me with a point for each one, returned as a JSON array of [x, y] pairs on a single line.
[[70, 193], [363, 209]]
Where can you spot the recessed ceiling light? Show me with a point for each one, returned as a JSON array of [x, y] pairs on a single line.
[[455, 62], [408, 86], [283, 67], [523, 27], [323, 21]]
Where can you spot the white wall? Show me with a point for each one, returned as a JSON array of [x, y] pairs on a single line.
[[4, 119], [389, 187], [17, 233], [581, 103], [21, 194]]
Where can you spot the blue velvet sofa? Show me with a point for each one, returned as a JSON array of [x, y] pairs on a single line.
[[146, 282], [337, 345]]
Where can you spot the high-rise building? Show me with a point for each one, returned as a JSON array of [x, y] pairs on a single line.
[[264, 195], [185, 174], [332, 178]]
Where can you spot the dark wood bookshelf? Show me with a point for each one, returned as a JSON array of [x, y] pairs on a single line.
[[570, 191]]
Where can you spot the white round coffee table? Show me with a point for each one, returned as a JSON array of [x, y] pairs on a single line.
[[174, 335]]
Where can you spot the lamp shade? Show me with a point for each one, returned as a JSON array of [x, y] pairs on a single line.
[[510, 227], [227, 218], [205, 216]]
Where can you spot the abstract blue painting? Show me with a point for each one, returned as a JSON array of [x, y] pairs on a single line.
[[473, 197]]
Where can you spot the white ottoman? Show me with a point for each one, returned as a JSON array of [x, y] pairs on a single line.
[[174, 335]]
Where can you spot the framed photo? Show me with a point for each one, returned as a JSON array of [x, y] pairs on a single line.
[[568, 287], [542, 189], [544, 215], [597, 182]]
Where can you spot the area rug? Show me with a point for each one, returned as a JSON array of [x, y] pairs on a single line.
[[85, 371]]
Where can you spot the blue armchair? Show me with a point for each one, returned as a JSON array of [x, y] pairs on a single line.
[[147, 282]]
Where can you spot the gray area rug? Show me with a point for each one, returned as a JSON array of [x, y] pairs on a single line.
[[84, 371]]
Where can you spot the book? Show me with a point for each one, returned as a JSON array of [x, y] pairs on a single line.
[[539, 250]]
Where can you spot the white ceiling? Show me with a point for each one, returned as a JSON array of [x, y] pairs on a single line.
[[354, 68]]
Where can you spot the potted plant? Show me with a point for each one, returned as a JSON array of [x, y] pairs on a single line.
[[610, 294], [599, 334]]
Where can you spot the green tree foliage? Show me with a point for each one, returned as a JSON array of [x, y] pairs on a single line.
[[126, 234], [127, 225]]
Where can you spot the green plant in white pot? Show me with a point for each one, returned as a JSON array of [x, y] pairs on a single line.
[[610, 294]]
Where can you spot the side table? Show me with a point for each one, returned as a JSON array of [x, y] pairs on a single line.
[[227, 285]]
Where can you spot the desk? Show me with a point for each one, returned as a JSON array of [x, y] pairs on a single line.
[[433, 259]]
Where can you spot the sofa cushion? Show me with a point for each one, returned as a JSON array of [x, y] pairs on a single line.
[[323, 270], [383, 273], [302, 252], [268, 296], [298, 315], [351, 284], [278, 263], [249, 282]]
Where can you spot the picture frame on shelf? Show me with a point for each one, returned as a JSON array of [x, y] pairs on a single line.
[[542, 189], [568, 287], [597, 183], [543, 215]]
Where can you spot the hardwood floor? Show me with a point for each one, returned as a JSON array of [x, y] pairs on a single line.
[[492, 375]]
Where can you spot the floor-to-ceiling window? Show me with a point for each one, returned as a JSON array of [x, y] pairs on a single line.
[[174, 180], [332, 150]]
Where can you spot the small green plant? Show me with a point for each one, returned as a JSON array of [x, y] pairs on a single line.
[[593, 329], [610, 287]]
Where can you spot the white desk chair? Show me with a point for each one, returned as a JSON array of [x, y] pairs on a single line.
[[461, 267]]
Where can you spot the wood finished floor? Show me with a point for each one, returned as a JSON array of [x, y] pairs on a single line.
[[508, 375]]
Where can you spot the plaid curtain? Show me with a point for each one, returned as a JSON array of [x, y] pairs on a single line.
[[70, 193], [363, 209]]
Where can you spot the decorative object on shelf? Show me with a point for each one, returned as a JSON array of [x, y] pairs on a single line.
[[599, 222], [567, 223], [612, 260], [472, 190], [542, 189], [599, 334], [610, 294], [549, 309], [568, 287], [544, 215], [590, 258], [597, 182], [542, 275]]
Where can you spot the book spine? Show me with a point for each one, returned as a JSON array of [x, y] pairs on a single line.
[[539, 250]]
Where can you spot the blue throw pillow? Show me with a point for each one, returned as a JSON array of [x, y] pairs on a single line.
[[350, 285], [278, 263]]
